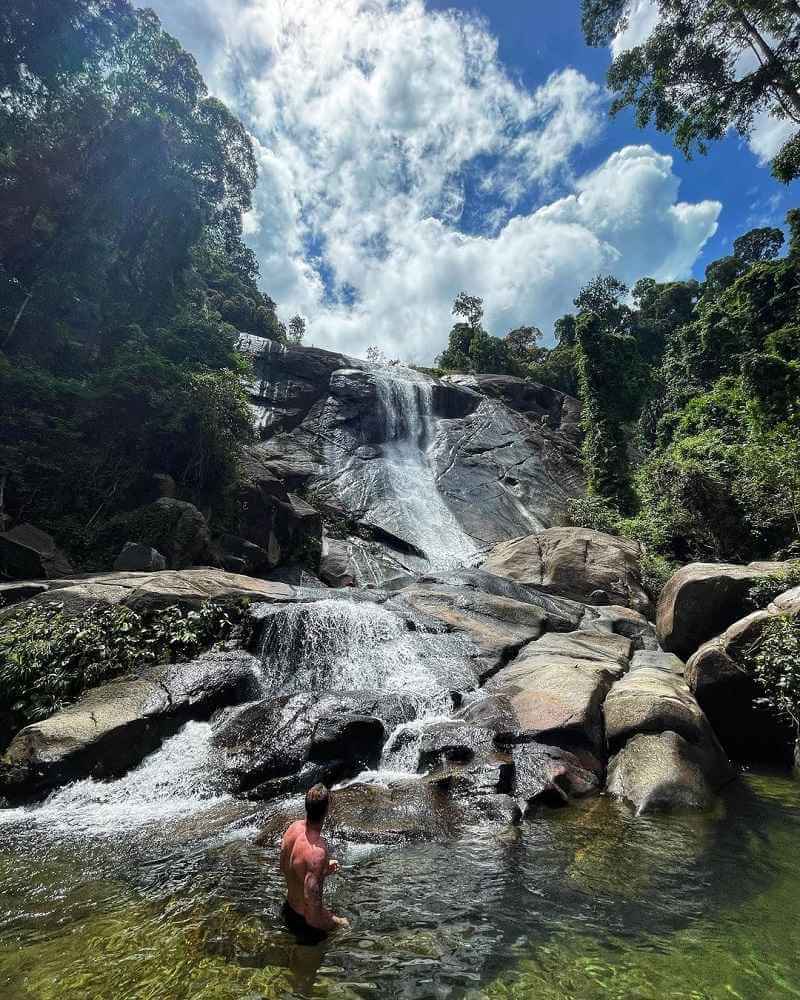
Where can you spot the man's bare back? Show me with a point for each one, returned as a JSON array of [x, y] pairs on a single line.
[[305, 865]]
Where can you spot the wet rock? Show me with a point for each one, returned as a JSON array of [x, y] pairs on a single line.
[[27, 553], [498, 626], [575, 563], [557, 685], [728, 695], [139, 559], [664, 772], [531, 398], [451, 741], [266, 745], [701, 600], [621, 621], [550, 775], [503, 474], [114, 726]]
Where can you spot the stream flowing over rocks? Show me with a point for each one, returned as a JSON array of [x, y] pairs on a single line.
[[468, 663]]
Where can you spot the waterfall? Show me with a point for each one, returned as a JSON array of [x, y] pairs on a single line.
[[412, 506], [336, 645]]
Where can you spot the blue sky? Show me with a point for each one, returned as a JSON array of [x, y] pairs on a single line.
[[409, 150]]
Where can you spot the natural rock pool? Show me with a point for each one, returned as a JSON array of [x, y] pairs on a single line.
[[585, 902]]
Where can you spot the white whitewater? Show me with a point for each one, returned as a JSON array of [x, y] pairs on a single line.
[[413, 505], [172, 783]]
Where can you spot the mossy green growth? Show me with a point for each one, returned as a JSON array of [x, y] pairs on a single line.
[[49, 655]]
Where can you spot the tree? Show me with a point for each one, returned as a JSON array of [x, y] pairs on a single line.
[[523, 342], [470, 307], [758, 244], [602, 296], [708, 66], [296, 330]]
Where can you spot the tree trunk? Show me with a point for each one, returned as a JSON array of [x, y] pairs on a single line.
[[781, 79], [17, 318]]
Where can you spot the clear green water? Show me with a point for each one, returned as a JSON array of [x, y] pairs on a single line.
[[586, 902]]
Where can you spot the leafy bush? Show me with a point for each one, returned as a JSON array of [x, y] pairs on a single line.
[[594, 512], [774, 661], [48, 656], [765, 590]]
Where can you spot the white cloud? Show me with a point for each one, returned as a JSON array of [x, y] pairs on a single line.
[[384, 130], [642, 17]]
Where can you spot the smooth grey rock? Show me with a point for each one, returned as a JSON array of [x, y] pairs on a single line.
[[728, 695], [550, 775], [139, 558], [656, 659], [701, 600], [574, 562]]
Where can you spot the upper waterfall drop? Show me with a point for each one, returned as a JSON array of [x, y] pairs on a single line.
[[412, 503]]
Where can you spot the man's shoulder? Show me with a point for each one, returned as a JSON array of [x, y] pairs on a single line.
[[293, 831]]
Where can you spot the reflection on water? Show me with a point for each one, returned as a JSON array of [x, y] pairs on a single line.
[[585, 902]]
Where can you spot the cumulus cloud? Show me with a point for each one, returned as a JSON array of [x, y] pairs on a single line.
[[396, 155]]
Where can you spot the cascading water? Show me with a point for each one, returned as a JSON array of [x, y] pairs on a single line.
[[412, 505], [172, 783]]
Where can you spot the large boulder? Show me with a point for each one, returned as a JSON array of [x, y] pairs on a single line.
[[288, 743], [555, 688], [138, 558], [729, 696], [175, 528], [27, 553], [544, 774], [664, 772], [702, 599], [111, 728], [578, 563]]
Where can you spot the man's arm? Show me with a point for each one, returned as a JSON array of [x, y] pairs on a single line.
[[315, 912]]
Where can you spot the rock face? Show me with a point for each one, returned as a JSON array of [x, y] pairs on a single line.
[[287, 744], [112, 727], [701, 600], [748, 731], [407, 470], [575, 562], [555, 688], [26, 553]]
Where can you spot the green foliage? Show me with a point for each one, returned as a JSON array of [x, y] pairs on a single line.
[[124, 281], [595, 512], [774, 661], [686, 77], [765, 590], [49, 656]]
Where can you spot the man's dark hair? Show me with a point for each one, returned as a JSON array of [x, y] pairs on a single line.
[[317, 801]]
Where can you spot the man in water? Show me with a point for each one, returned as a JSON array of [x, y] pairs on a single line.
[[305, 865]]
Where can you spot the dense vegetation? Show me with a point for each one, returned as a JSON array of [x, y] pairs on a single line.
[[49, 656], [691, 401], [123, 275]]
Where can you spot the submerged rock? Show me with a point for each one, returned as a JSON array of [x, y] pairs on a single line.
[[579, 563], [664, 772]]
